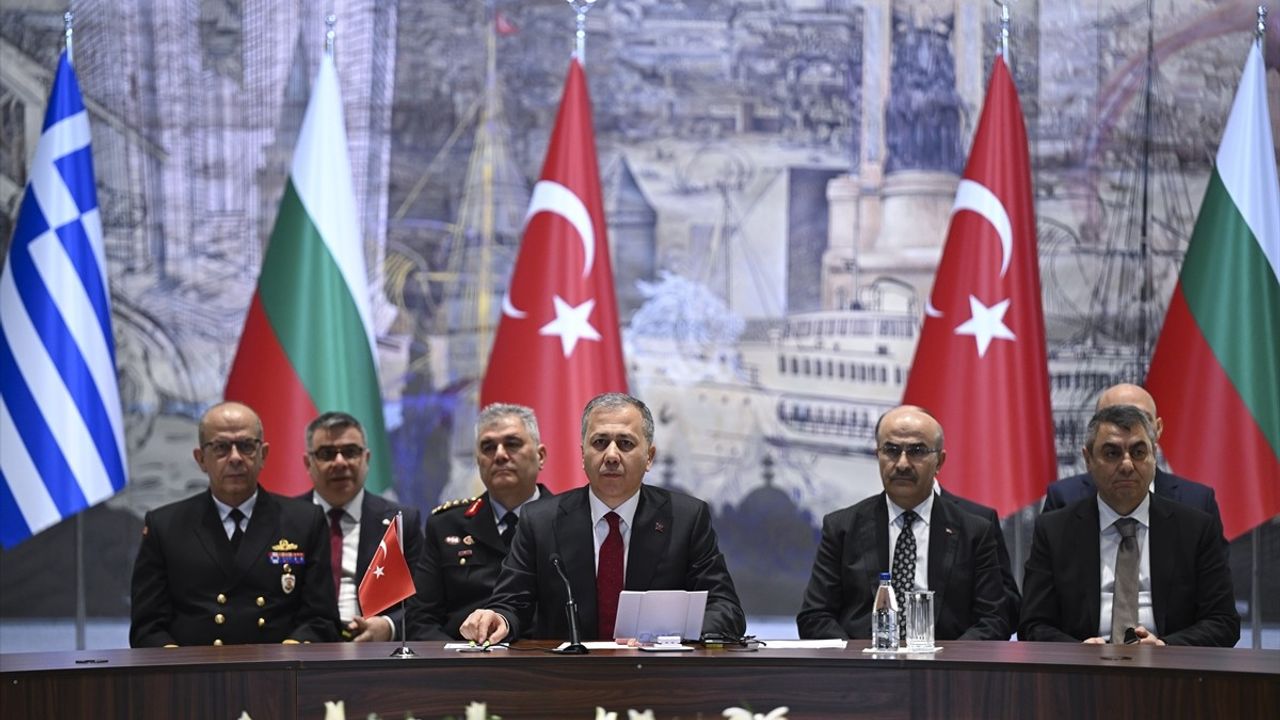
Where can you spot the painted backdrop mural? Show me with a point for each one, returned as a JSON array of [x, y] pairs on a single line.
[[778, 178]]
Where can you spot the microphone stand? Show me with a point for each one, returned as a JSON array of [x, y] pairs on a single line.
[[575, 646]]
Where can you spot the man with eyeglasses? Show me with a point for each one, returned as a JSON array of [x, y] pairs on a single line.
[[468, 539], [926, 540], [1165, 484], [337, 461], [1127, 566], [235, 564]]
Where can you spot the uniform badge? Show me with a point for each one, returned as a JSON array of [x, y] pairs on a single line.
[[468, 540], [284, 546], [474, 508], [288, 582], [465, 553], [452, 540]]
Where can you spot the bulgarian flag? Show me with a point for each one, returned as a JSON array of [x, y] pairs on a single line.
[[308, 344], [1216, 367]]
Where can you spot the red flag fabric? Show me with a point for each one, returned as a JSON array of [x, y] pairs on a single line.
[[388, 580], [980, 366], [558, 344], [503, 24]]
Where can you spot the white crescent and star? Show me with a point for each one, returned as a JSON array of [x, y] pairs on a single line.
[[976, 197], [571, 324], [986, 324], [550, 196]]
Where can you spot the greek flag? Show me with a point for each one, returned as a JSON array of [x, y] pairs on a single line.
[[61, 431]]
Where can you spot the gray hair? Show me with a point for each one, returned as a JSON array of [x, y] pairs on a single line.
[[617, 401], [333, 420], [494, 412], [1126, 417]]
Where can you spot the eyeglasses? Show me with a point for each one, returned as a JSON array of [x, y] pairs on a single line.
[[915, 451], [1113, 454], [329, 453], [247, 447]]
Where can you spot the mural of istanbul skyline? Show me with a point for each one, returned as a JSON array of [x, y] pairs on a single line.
[[778, 177]]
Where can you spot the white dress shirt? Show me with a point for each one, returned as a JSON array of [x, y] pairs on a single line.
[[920, 528], [600, 526], [1108, 545]]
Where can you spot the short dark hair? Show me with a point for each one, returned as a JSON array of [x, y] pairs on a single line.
[[333, 420], [496, 411], [617, 400], [1126, 417]]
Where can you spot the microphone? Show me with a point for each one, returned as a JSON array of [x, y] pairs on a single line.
[[575, 646]]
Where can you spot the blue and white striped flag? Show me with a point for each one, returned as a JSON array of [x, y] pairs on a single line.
[[61, 430]]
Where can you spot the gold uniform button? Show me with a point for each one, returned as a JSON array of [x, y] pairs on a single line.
[[261, 622], [219, 618], [217, 643], [222, 599], [261, 601], [462, 561]]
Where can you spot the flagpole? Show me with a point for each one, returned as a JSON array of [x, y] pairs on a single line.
[[1255, 565], [580, 8], [404, 651], [68, 33]]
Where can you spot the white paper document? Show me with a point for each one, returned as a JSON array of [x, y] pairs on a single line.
[[644, 616]]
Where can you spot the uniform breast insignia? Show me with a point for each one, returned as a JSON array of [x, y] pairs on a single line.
[[286, 553], [468, 540], [455, 503], [474, 508], [288, 581], [452, 540], [465, 553]]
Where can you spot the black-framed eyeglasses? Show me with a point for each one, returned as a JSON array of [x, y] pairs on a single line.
[[746, 643], [247, 447], [914, 451], [329, 453]]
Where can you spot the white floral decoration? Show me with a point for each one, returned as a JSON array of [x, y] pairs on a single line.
[[737, 713], [602, 714], [477, 711], [334, 710], [637, 715]]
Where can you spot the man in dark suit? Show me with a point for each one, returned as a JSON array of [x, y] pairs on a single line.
[[940, 546], [612, 535], [1012, 595], [1167, 485], [337, 460], [235, 564], [467, 540], [1127, 562]]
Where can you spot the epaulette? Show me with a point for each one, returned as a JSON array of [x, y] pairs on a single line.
[[453, 504]]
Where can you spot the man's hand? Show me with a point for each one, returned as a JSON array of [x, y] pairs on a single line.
[[374, 629], [1146, 637], [1094, 641], [484, 627]]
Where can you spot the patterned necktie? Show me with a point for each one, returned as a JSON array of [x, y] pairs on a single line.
[[509, 521], [335, 547], [609, 578], [238, 534], [904, 567], [1124, 598]]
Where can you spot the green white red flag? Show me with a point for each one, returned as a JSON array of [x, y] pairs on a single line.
[[1216, 368], [308, 345]]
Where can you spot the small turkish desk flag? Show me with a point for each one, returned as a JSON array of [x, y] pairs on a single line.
[[388, 580], [980, 367], [558, 344]]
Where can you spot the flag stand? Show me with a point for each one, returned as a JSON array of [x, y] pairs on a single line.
[[404, 651]]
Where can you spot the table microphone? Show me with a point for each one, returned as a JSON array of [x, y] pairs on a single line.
[[575, 646]]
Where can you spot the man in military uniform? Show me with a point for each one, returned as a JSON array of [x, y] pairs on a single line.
[[467, 540], [337, 461], [234, 564]]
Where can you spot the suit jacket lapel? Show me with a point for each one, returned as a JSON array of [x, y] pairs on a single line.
[[485, 530], [263, 525], [943, 542], [649, 538], [1087, 530], [373, 510], [873, 531], [1161, 534], [576, 544], [212, 535]]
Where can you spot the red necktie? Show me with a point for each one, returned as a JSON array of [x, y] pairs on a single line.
[[335, 547], [609, 579]]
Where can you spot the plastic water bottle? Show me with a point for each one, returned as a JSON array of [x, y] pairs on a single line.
[[884, 616]]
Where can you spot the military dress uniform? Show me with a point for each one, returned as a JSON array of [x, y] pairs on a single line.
[[189, 588], [459, 565]]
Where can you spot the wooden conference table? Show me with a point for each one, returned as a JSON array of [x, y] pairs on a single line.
[[966, 679]]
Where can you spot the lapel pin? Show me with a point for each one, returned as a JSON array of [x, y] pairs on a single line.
[[950, 531], [659, 527]]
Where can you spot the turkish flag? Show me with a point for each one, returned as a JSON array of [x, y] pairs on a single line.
[[980, 366], [558, 344], [388, 580]]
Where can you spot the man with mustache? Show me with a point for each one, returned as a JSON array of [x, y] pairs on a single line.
[[926, 539], [337, 460]]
